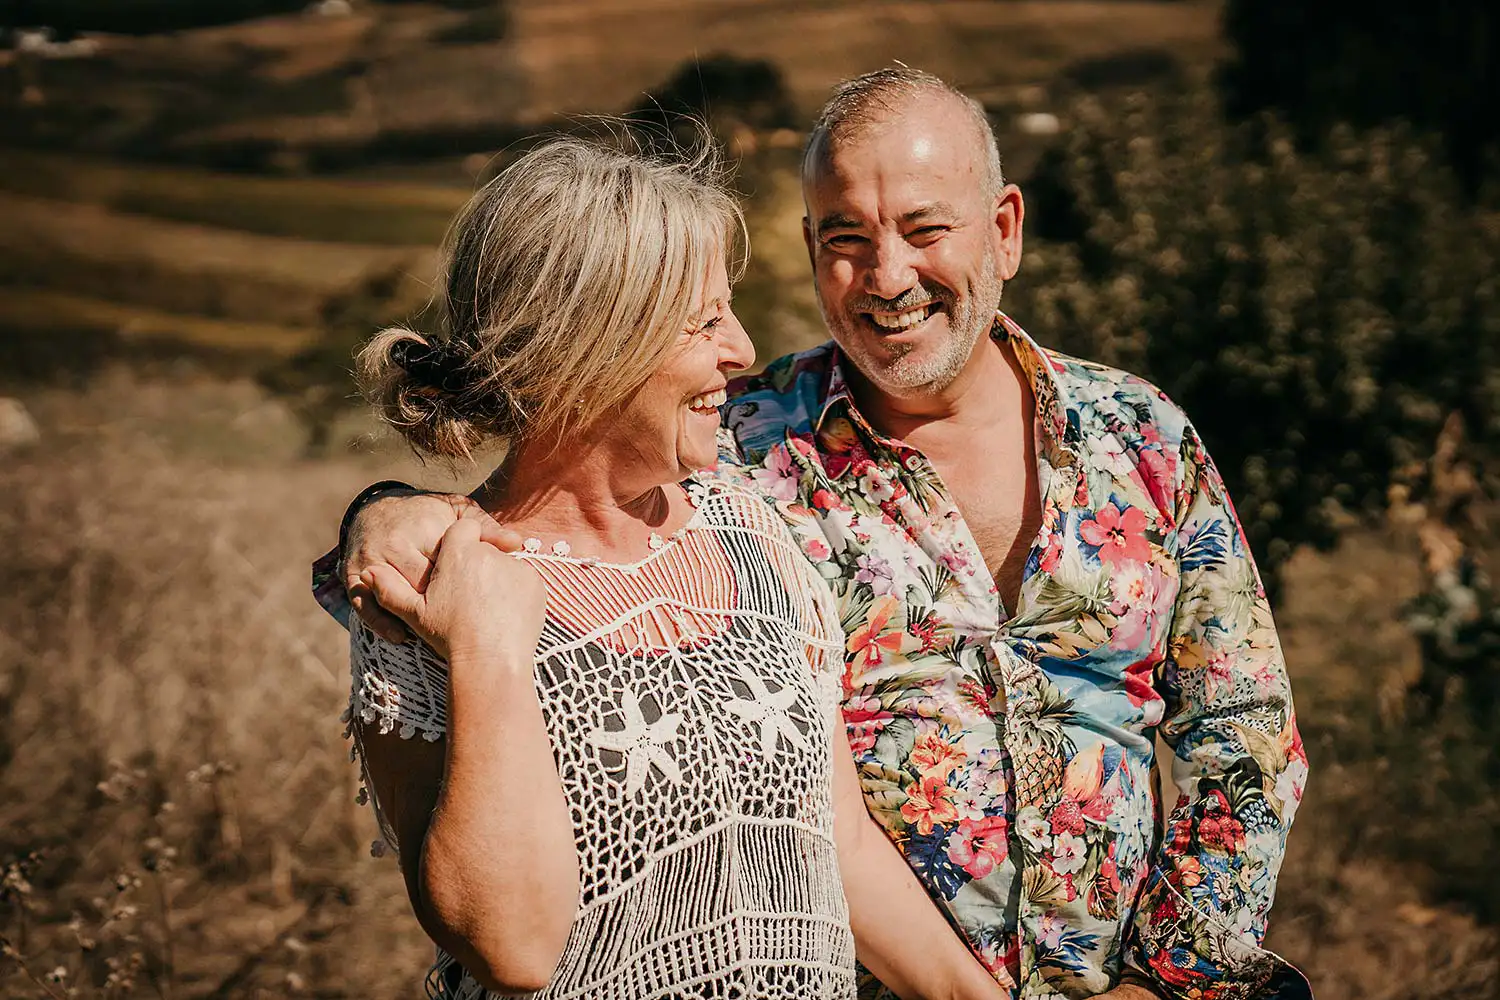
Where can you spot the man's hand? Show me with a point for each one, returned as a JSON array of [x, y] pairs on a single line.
[[476, 599], [401, 534]]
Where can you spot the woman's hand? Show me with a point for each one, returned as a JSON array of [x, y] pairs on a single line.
[[401, 533], [476, 596]]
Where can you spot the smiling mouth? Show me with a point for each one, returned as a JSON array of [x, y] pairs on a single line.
[[901, 322], [708, 402]]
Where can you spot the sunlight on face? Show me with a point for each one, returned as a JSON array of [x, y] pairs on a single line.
[[901, 229], [672, 422]]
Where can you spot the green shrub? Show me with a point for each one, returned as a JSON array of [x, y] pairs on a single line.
[[1368, 63], [1318, 315]]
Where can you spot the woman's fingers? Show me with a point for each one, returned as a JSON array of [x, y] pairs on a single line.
[[380, 621], [493, 533], [395, 594]]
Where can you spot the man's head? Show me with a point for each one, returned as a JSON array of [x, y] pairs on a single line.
[[911, 228]]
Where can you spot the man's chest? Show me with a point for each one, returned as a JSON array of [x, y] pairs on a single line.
[[996, 498]]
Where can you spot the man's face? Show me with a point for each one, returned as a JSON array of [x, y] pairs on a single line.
[[909, 245]]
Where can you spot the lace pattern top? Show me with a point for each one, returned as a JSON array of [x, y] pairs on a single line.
[[688, 697]]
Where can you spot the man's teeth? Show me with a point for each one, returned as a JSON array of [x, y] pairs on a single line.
[[902, 322], [708, 400]]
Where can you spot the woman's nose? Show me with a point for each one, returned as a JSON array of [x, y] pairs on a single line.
[[736, 351]]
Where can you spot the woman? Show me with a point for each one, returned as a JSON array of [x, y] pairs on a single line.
[[633, 780]]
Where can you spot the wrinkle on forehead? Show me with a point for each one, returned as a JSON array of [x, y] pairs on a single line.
[[925, 129]]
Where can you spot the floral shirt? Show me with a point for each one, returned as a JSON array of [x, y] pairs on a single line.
[[1009, 753]]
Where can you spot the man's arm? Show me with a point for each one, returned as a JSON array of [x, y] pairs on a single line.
[[1237, 762], [398, 526]]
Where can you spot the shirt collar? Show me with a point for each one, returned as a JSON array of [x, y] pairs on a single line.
[[1052, 425]]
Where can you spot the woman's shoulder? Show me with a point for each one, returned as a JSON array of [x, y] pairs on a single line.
[[724, 501]]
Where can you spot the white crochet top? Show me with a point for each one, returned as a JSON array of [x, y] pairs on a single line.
[[689, 698]]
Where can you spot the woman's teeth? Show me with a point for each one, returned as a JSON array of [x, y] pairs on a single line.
[[904, 321], [708, 402]]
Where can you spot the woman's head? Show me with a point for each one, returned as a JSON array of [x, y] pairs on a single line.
[[572, 279]]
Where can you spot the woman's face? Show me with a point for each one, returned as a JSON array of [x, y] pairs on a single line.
[[673, 421]]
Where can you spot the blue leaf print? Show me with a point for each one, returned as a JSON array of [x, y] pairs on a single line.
[[1205, 548], [928, 857]]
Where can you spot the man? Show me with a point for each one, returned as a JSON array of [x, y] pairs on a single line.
[[1039, 572]]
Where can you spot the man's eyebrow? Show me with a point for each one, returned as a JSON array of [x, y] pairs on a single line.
[[926, 213], [836, 221]]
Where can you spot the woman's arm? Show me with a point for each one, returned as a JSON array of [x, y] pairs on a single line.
[[899, 933], [489, 861]]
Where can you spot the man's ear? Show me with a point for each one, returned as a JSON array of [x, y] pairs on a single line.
[[1010, 213], [807, 239]]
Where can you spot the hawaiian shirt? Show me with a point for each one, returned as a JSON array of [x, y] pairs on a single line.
[[1009, 753]]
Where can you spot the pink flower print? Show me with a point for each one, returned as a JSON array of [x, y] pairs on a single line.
[[1068, 852], [1219, 671], [779, 476], [1050, 930], [817, 550], [1052, 555], [979, 846], [876, 488], [1119, 535], [875, 571], [956, 561], [865, 719], [1156, 475]]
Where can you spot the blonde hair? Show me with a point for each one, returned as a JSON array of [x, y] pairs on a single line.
[[568, 279]]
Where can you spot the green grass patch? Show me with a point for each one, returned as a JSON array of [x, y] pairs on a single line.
[[37, 312], [307, 208]]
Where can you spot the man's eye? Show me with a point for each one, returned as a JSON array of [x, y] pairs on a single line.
[[708, 328], [844, 241]]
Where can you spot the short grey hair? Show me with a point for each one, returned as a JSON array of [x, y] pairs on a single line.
[[870, 99]]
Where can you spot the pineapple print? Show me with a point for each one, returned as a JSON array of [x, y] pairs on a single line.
[[1040, 748]]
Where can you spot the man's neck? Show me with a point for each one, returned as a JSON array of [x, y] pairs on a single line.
[[983, 397]]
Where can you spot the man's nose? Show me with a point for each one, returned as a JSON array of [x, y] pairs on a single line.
[[892, 271]]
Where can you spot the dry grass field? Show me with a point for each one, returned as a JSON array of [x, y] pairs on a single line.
[[171, 748]]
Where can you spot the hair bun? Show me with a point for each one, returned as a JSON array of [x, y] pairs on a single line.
[[430, 365]]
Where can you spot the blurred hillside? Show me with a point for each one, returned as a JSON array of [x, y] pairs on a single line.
[[416, 80], [261, 194]]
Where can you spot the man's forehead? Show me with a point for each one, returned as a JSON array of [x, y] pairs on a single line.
[[906, 172], [924, 138]]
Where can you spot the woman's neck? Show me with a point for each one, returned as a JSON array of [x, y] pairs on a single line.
[[600, 504]]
